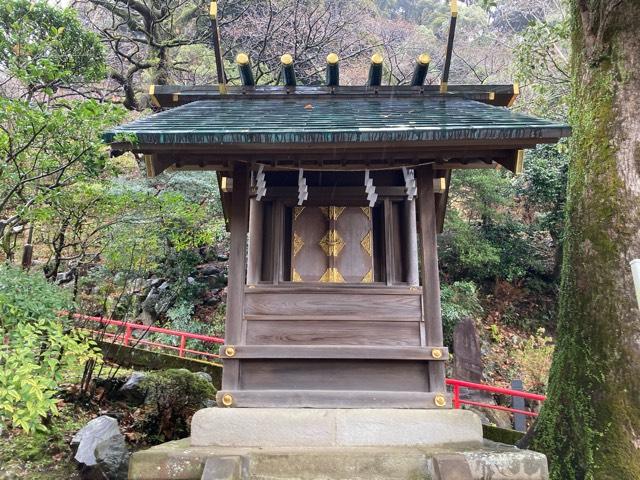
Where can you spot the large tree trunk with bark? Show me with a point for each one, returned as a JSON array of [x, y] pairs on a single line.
[[590, 425]]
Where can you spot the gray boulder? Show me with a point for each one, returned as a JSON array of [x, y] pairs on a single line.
[[132, 391], [101, 449], [112, 457]]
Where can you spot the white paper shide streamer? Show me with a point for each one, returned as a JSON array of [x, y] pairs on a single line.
[[261, 184], [303, 191], [372, 196], [410, 186]]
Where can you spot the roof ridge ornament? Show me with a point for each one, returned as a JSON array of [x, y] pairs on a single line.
[[215, 40], [420, 70], [444, 83]]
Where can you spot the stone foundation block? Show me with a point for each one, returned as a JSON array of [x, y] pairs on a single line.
[[295, 427]]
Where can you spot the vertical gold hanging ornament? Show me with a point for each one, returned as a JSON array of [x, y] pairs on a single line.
[[332, 213]]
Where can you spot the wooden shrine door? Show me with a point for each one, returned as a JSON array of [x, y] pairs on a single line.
[[332, 245]]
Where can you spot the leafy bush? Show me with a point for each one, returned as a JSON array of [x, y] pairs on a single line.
[[38, 346], [172, 397], [459, 300]]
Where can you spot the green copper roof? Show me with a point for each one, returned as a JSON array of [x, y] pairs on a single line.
[[332, 120]]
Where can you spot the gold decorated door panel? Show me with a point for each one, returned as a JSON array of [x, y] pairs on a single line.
[[332, 245]]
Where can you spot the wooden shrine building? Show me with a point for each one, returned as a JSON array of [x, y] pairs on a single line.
[[334, 196]]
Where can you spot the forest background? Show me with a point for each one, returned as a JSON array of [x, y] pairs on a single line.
[[111, 242]]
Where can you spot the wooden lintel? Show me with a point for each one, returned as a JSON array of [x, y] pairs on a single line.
[[331, 399], [337, 352], [327, 193], [370, 158]]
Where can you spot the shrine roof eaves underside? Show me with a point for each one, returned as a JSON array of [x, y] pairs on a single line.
[[334, 132]]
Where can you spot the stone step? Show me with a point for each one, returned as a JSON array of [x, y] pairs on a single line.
[[180, 461]]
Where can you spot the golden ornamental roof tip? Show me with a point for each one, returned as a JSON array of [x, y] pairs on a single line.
[[376, 58], [424, 59], [242, 59], [286, 59], [333, 58]]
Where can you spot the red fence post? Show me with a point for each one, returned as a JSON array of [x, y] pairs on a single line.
[[127, 335], [456, 396], [183, 342]]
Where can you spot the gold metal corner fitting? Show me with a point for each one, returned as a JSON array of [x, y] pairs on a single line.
[[436, 353], [230, 351], [439, 400], [227, 400]]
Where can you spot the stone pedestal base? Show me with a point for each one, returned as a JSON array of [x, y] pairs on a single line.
[[310, 444], [319, 427]]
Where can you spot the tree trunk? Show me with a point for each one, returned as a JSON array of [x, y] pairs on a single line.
[[590, 425]]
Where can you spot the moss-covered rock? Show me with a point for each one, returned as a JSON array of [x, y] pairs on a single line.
[[172, 397], [501, 435]]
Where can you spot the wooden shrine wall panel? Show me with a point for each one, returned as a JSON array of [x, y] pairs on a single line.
[[349, 305], [346, 375], [319, 332]]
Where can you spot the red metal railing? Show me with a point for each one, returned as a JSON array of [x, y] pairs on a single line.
[[129, 327], [126, 340], [457, 401]]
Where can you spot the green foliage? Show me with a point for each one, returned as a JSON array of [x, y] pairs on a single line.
[[172, 397], [542, 62], [38, 346], [38, 453], [500, 227], [45, 46], [44, 150], [463, 252], [459, 301], [534, 360], [543, 187], [153, 227]]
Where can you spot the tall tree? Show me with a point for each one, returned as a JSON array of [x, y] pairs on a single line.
[[590, 425]]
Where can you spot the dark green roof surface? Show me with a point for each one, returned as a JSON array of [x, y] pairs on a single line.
[[295, 121]]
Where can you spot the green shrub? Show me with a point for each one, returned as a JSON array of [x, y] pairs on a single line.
[[459, 300], [39, 345]]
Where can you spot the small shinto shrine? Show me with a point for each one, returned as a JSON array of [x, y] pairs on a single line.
[[334, 196]]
